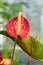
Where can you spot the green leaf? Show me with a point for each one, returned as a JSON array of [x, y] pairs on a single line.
[[29, 44], [14, 63]]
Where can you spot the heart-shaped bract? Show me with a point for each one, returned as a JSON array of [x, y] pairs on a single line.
[[11, 27]]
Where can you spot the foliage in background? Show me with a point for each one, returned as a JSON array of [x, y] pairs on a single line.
[[14, 63], [7, 49], [8, 10]]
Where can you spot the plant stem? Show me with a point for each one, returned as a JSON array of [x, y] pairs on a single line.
[[29, 60], [12, 57]]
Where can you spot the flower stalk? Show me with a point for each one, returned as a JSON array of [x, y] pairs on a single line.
[[12, 57], [29, 60]]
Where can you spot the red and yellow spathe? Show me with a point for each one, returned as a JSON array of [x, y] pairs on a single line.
[[18, 26]]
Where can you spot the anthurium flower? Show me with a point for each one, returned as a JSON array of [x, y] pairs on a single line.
[[18, 26]]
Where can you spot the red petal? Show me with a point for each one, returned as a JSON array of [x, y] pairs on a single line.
[[25, 27], [12, 26]]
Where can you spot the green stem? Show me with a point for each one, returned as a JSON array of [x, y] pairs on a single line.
[[12, 57], [29, 60]]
